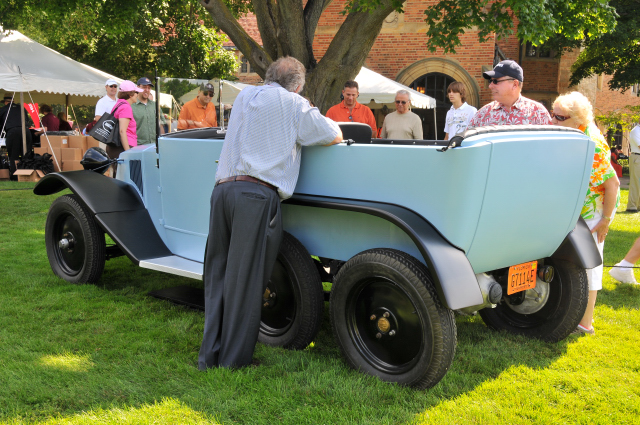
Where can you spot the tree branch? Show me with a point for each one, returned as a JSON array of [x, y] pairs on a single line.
[[312, 12], [221, 15], [267, 24]]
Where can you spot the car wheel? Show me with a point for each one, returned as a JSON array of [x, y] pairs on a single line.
[[75, 244], [293, 302], [388, 320], [550, 312]]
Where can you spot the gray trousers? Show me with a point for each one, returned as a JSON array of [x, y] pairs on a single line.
[[633, 201], [245, 230]]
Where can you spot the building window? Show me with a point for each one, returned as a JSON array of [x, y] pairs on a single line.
[[245, 67], [541, 51]]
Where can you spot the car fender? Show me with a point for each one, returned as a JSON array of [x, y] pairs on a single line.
[[579, 247], [453, 275], [117, 208]]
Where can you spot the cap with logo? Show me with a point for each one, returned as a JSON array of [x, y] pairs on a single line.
[[127, 85], [206, 87], [144, 81], [506, 68], [111, 82]]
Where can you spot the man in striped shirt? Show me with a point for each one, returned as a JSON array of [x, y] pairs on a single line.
[[258, 167]]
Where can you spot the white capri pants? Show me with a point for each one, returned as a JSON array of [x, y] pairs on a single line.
[[594, 275]]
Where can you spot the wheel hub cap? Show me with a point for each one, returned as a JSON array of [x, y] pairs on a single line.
[[67, 242]]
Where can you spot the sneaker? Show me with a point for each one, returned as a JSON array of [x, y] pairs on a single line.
[[624, 275], [582, 330]]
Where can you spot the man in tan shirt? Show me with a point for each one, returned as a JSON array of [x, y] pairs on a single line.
[[199, 112], [402, 124]]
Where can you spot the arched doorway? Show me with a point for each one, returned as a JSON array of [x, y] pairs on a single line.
[[433, 84]]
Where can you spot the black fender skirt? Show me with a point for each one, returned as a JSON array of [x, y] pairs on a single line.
[[579, 247], [451, 271], [117, 208]]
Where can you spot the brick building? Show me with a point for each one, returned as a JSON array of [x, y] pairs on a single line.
[[399, 53]]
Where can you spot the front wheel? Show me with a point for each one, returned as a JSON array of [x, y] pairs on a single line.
[[293, 302], [388, 320], [75, 244], [550, 311]]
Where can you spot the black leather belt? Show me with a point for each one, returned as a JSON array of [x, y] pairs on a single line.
[[246, 179]]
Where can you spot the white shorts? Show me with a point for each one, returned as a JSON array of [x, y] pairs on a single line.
[[594, 275]]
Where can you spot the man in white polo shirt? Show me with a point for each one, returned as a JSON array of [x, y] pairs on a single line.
[[107, 103], [634, 170]]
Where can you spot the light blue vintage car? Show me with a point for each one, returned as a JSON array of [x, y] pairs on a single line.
[[406, 231]]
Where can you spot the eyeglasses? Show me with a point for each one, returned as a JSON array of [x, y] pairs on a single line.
[[559, 117], [113, 86], [496, 81], [404, 102], [209, 94]]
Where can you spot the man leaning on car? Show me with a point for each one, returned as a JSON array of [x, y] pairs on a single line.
[[258, 168]]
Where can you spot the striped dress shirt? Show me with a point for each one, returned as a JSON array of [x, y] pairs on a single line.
[[267, 128]]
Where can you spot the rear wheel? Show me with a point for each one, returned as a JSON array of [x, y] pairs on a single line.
[[550, 311], [75, 244], [293, 302], [388, 320]]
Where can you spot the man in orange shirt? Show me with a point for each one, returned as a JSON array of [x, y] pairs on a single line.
[[199, 112], [349, 110]]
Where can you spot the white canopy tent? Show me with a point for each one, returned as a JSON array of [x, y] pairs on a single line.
[[49, 76], [377, 91], [230, 90]]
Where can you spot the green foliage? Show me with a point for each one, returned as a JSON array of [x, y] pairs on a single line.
[[537, 20], [615, 53], [624, 119], [127, 38], [177, 87]]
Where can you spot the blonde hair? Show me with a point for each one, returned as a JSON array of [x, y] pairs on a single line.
[[577, 106]]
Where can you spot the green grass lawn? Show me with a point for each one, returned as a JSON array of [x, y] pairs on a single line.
[[108, 353]]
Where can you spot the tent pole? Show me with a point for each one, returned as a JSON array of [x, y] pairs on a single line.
[[66, 106], [24, 125], [435, 125]]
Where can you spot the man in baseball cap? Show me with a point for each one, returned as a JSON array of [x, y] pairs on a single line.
[[106, 103], [509, 107], [199, 112], [144, 112]]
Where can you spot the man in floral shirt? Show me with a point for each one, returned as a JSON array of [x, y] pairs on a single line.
[[509, 107]]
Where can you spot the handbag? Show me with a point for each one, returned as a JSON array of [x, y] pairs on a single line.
[[107, 129]]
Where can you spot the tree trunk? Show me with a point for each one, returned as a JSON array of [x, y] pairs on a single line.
[[288, 30]]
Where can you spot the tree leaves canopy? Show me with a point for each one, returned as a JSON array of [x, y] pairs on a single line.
[[128, 38]]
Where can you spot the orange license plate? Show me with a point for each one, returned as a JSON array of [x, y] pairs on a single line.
[[522, 277]]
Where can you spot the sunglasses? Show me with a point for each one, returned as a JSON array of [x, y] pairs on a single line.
[[404, 102], [209, 94], [496, 81], [113, 86], [559, 117]]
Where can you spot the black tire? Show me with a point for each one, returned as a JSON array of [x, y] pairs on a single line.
[[294, 300], [376, 282], [560, 310], [75, 244]]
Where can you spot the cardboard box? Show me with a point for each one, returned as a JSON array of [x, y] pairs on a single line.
[[92, 143], [54, 141], [4, 174], [78, 142], [71, 165], [29, 175], [40, 151], [71, 154]]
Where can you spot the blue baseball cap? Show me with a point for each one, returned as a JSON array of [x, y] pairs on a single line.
[[144, 81], [506, 68]]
